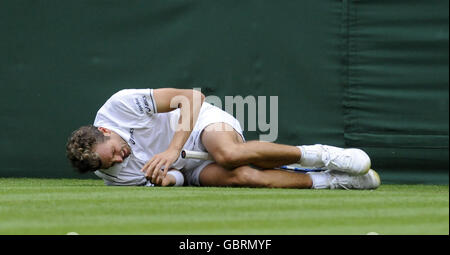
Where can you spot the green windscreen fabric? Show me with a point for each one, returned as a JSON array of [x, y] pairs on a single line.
[[61, 60], [371, 74], [396, 88]]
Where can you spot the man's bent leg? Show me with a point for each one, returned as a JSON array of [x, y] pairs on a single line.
[[228, 149], [246, 176], [222, 142]]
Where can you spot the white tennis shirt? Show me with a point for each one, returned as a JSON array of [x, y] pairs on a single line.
[[132, 114]]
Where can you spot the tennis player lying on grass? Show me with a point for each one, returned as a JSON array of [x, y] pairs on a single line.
[[138, 135]]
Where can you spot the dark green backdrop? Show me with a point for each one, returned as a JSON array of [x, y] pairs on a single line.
[[372, 74]]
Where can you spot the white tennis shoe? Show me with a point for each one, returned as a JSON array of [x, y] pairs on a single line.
[[351, 161], [340, 180]]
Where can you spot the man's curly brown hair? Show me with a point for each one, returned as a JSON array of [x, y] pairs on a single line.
[[79, 148]]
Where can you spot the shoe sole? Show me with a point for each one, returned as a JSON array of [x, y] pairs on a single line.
[[376, 176], [369, 164]]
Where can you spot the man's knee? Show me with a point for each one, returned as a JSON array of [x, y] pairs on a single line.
[[246, 176], [228, 156]]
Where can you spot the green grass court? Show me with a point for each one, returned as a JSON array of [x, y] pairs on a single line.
[[59, 206]]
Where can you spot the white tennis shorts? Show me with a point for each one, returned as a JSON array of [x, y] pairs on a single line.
[[209, 114]]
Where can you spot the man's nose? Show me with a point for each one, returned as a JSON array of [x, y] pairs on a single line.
[[118, 159]]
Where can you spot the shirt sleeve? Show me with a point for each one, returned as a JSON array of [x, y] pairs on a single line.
[[129, 108], [139, 101]]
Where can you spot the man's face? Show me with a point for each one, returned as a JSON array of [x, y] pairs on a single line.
[[112, 151]]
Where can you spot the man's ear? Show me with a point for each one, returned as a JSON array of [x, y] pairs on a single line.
[[105, 131]]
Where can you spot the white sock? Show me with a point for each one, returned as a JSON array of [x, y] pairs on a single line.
[[320, 180], [311, 155]]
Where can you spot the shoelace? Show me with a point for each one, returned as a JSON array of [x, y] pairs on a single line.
[[335, 182], [338, 160], [350, 182]]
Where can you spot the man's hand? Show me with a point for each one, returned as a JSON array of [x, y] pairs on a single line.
[[167, 181], [152, 169]]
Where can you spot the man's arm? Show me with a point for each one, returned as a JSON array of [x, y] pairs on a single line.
[[168, 99], [189, 101]]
